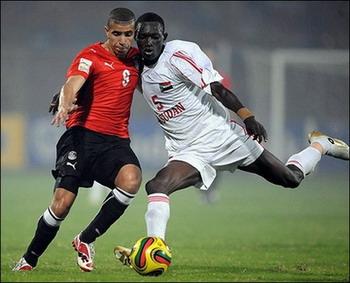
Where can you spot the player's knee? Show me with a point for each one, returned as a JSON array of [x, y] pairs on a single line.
[[157, 186], [60, 208], [129, 179]]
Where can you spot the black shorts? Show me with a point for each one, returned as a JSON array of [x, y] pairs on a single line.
[[88, 156]]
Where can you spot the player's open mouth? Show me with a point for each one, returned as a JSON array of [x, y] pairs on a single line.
[[120, 50], [148, 52]]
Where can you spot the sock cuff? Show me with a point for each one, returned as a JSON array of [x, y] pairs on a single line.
[[123, 196], [51, 219], [305, 160], [158, 197], [316, 151], [295, 163]]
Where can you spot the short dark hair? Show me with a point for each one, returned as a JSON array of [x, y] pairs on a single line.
[[150, 17], [120, 15]]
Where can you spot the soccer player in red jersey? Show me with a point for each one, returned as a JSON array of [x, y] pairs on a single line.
[[94, 104]]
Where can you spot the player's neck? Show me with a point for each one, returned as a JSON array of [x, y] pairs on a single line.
[[107, 47]]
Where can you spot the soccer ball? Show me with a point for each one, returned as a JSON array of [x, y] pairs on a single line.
[[150, 256]]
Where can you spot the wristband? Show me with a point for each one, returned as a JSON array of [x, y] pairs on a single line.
[[244, 113]]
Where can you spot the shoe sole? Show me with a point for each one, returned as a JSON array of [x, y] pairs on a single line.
[[25, 268]]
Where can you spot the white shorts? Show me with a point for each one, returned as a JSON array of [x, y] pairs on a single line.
[[225, 151]]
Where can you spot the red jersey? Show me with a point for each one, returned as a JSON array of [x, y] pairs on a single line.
[[104, 101]]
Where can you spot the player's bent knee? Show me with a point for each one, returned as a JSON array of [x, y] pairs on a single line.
[[129, 179]]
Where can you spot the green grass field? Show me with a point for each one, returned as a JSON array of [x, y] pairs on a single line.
[[254, 232]]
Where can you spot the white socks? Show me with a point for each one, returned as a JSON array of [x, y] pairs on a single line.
[[122, 196], [306, 160], [51, 219], [157, 215]]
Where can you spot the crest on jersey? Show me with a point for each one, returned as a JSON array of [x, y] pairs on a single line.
[[72, 155], [165, 86]]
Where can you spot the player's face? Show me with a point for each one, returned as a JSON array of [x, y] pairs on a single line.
[[120, 37], [150, 38]]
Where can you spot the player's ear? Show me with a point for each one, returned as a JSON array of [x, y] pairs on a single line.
[[165, 35], [106, 30]]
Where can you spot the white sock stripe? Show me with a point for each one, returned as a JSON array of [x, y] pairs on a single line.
[[54, 215], [157, 197], [121, 196], [125, 193], [51, 219]]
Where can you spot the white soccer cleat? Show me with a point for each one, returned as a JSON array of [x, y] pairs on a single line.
[[22, 265], [86, 254], [333, 147], [122, 254]]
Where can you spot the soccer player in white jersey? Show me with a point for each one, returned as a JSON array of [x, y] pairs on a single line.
[[184, 91]]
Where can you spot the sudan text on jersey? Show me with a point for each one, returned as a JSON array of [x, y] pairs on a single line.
[[173, 112]]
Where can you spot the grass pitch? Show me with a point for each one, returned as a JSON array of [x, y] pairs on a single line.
[[254, 232]]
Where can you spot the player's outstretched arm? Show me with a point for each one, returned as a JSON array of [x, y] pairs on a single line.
[[67, 99], [231, 101]]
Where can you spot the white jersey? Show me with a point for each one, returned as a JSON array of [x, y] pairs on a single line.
[[196, 125], [177, 88]]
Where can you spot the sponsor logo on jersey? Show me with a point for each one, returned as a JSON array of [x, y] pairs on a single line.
[[170, 113], [110, 65], [72, 164], [84, 65], [165, 86]]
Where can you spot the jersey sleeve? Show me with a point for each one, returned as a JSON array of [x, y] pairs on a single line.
[[81, 65], [195, 66]]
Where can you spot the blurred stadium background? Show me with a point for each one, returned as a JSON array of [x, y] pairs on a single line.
[[288, 62]]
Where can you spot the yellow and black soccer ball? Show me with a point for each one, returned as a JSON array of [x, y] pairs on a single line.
[[150, 256]]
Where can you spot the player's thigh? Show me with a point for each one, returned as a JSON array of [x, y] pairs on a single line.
[[118, 166], [71, 160], [176, 175]]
